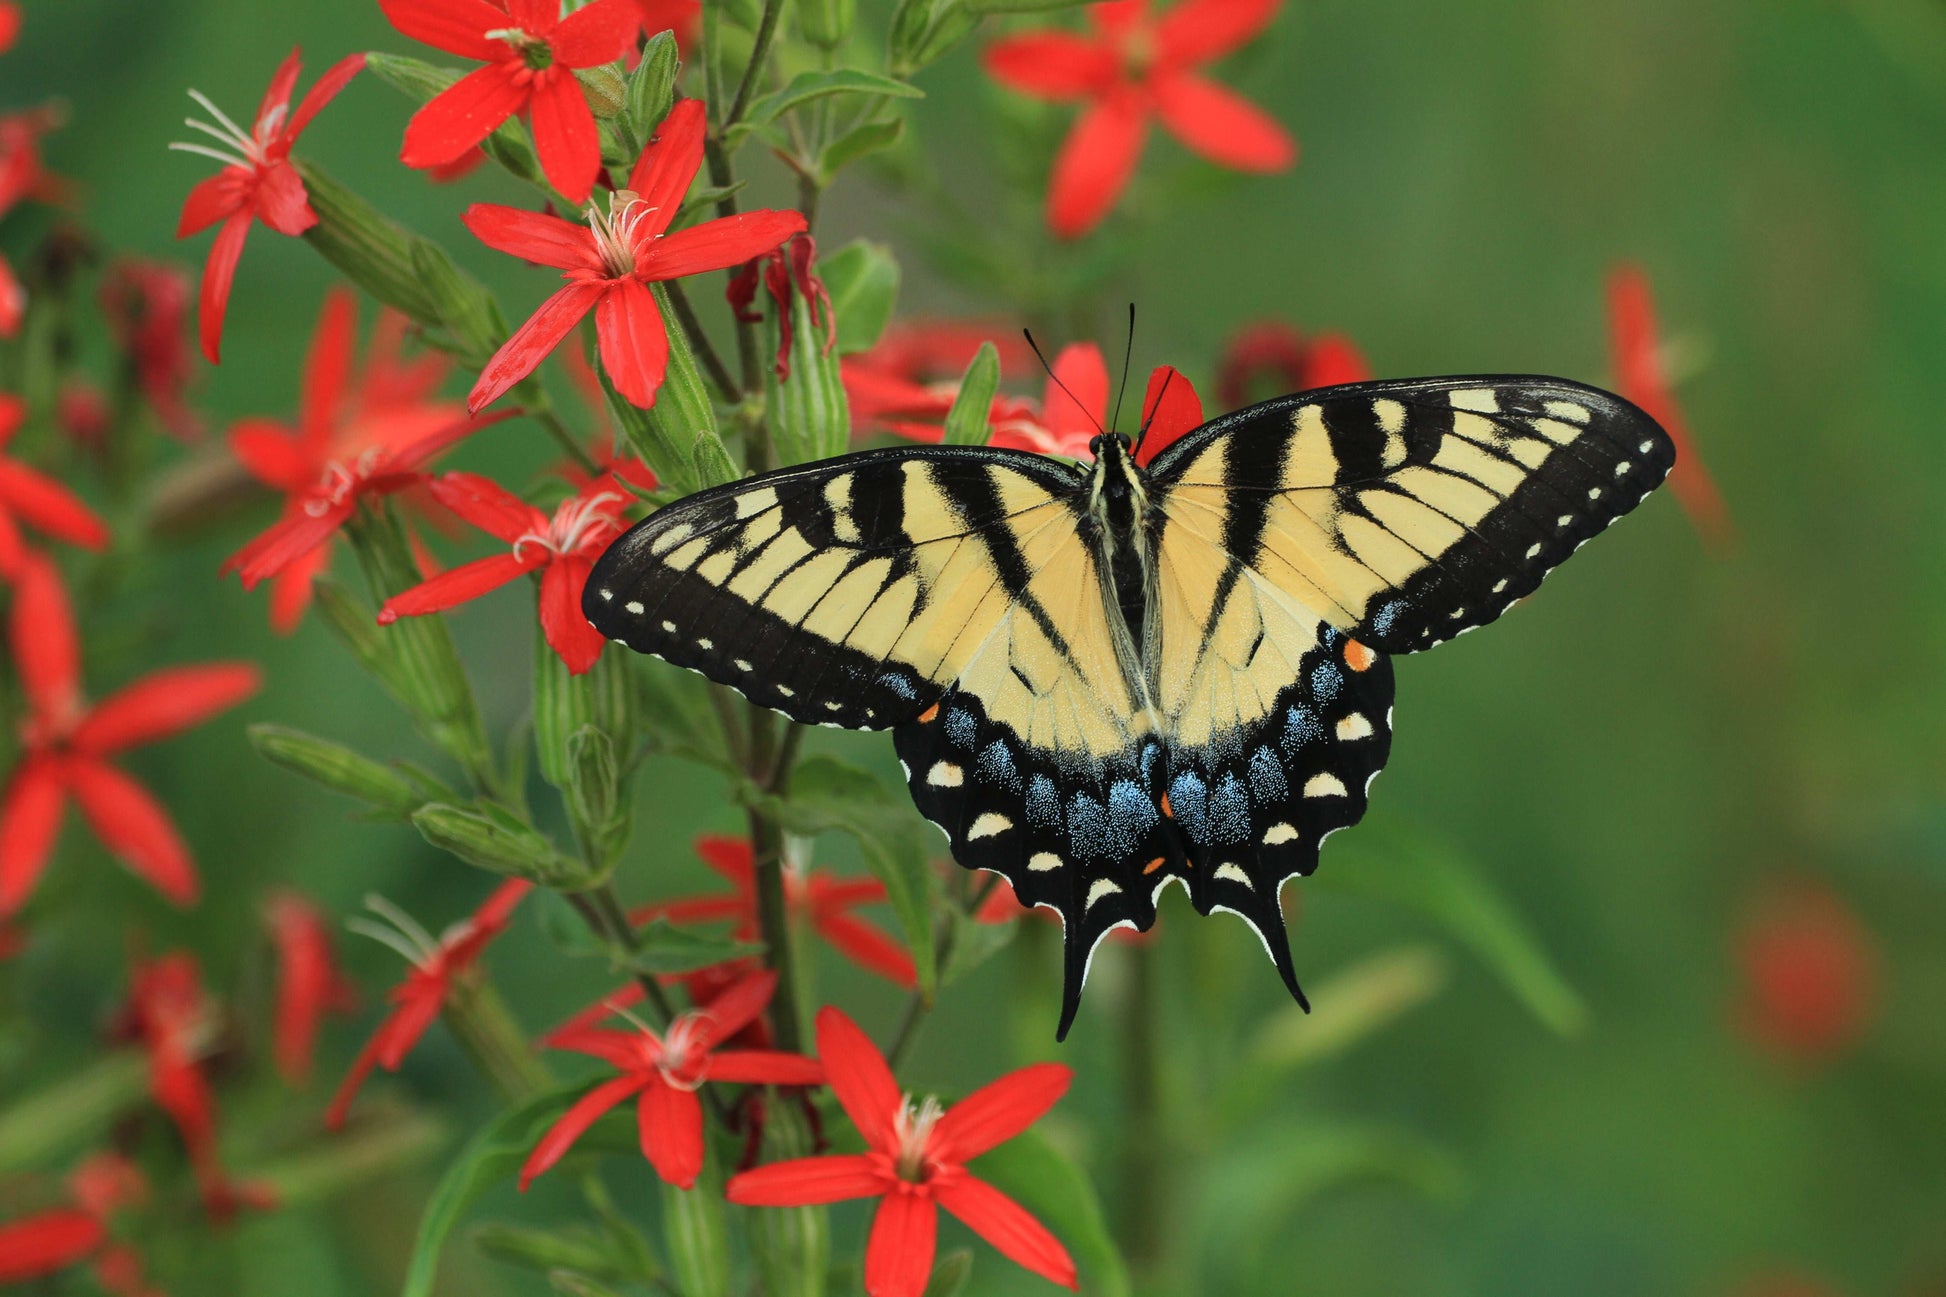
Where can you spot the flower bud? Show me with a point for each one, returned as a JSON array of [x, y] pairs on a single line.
[[492, 839], [967, 422], [337, 767], [697, 1235], [373, 251], [677, 437], [950, 1276], [792, 1244], [468, 314], [826, 23], [804, 398], [652, 90], [924, 30], [545, 1249], [605, 87]]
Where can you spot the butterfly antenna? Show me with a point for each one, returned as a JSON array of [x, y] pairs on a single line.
[[1128, 353], [1154, 410], [1056, 380]]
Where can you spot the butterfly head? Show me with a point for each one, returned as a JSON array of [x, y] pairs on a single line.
[[1108, 445]]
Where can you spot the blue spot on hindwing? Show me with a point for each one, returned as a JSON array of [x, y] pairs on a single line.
[[898, 684], [1189, 799], [1131, 814], [1267, 782], [1326, 680], [996, 766], [1229, 810], [1387, 616], [961, 728], [1301, 728], [1088, 827], [1043, 803]]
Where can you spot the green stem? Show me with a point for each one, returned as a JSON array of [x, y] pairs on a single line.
[[942, 943], [759, 55], [1145, 1157], [699, 342], [486, 1029], [548, 419], [769, 766]]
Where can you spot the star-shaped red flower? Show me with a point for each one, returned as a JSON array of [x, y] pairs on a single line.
[[530, 52], [662, 1074], [915, 1163], [27, 496], [1136, 67], [68, 746], [258, 181], [610, 262]]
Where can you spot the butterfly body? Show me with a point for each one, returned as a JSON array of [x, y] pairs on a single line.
[[1103, 679]]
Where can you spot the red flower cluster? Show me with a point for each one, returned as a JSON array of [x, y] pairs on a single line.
[[50, 1241], [22, 176], [1808, 973], [907, 382], [1290, 362], [1134, 68]]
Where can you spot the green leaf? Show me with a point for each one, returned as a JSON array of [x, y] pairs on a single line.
[[973, 943], [806, 86], [1409, 869], [967, 422], [863, 281], [826, 795], [494, 1154], [1039, 1176], [661, 946], [72, 1112], [856, 143], [950, 1276], [1349, 1007]]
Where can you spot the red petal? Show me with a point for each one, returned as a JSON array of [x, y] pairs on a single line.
[[869, 948], [598, 33], [327, 368], [1094, 164], [807, 1182], [13, 300], [1005, 1223], [568, 632], [634, 344], [165, 702], [528, 347], [670, 1124], [13, 413], [218, 273], [281, 202], [621, 1050], [584, 1021], [1076, 399], [30, 820], [764, 1067], [211, 200], [564, 133], [540, 17], [278, 93], [701, 909], [585, 1111], [1222, 125], [533, 236], [721, 243], [46, 648], [463, 114], [420, 998], [829, 895], [322, 91], [285, 542], [737, 1007], [50, 506], [999, 1110], [1052, 65], [134, 827], [497, 909], [898, 1256], [859, 1077], [1334, 359], [51, 1240], [361, 1067], [456, 26], [1197, 31], [290, 590], [487, 505], [1170, 408], [407, 460], [274, 455], [729, 857], [664, 172]]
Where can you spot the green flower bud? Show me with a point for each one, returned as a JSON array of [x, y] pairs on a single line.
[[492, 839], [652, 90], [606, 89], [826, 23], [792, 1244], [923, 31], [697, 1235], [339, 768], [371, 249]]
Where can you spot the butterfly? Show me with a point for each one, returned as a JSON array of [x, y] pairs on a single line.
[[1105, 678]]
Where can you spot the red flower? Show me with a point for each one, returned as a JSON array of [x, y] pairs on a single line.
[[10, 25], [34, 498], [22, 173], [1808, 972], [82, 413], [530, 52], [610, 264], [436, 967], [147, 307], [1074, 408], [908, 381], [682, 17], [68, 745], [13, 301], [257, 183], [663, 1073], [1640, 376], [49, 1241], [1291, 362], [388, 405], [562, 549], [778, 270], [824, 901], [916, 1163], [1136, 67], [309, 983]]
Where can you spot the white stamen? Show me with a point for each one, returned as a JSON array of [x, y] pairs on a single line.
[[912, 1127]]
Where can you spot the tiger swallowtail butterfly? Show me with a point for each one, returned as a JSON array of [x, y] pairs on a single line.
[[1105, 678]]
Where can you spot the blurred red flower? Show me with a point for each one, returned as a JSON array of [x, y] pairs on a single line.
[[147, 307], [82, 413], [908, 381], [1641, 377], [30, 497], [610, 263], [437, 966], [530, 52], [606, 455], [1807, 971], [23, 174], [683, 17], [1274, 351], [13, 301], [47, 1242], [662, 1073], [778, 270], [825, 902], [9, 25], [258, 181], [309, 982], [1074, 408], [562, 548], [1134, 68], [67, 746], [916, 1163]]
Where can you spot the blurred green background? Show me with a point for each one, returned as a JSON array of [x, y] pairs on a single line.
[[1628, 759]]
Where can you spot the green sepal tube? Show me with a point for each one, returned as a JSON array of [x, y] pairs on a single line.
[[373, 251], [697, 1233], [652, 90], [340, 769], [792, 1244], [924, 31], [826, 23], [677, 436], [605, 89], [582, 728], [490, 838], [808, 412], [468, 314]]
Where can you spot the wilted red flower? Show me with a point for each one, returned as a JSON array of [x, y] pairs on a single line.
[[1274, 351], [27, 496], [1136, 67], [258, 181], [82, 413], [1640, 376], [778, 270], [562, 548], [309, 983], [437, 966], [916, 1163], [389, 404], [68, 745], [610, 263], [817, 897], [147, 307], [662, 1073], [530, 53], [1808, 972]]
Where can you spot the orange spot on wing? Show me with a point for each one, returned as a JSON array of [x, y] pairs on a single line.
[[926, 716], [1358, 657], [1153, 865], [1167, 809]]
